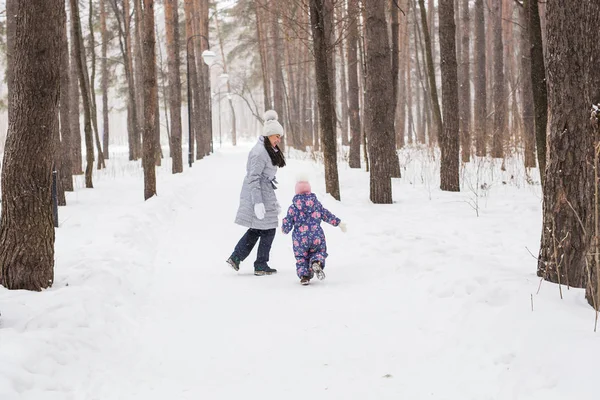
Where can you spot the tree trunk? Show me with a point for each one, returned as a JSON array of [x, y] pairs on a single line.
[[132, 125], [138, 71], [464, 106], [192, 79], [538, 80], [569, 229], [324, 94], [277, 52], [66, 170], [262, 47], [343, 83], [526, 89], [329, 23], [91, 84], [11, 21], [75, 98], [172, 32], [437, 114], [104, 80], [353, 89], [480, 97], [449, 140], [150, 100], [203, 121], [499, 84], [404, 81], [395, 27], [233, 118], [26, 222], [379, 110], [89, 140]]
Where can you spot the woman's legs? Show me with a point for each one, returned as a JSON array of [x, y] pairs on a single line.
[[264, 249], [245, 245]]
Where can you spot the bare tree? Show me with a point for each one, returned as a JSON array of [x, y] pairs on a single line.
[[89, 143], [538, 78], [104, 79], [150, 100], [499, 84], [573, 57], [449, 139], [379, 110], [526, 89], [172, 33], [324, 95], [353, 88], [26, 222], [480, 108], [464, 106], [437, 113]]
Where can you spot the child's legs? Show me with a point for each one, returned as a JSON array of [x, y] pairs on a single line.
[[302, 267], [319, 254]]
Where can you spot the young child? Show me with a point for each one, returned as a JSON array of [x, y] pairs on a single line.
[[304, 216]]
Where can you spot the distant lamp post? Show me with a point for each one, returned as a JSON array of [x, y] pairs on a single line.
[[208, 56]]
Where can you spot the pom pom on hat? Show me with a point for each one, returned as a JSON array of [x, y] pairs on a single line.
[[271, 125], [302, 184], [270, 114]]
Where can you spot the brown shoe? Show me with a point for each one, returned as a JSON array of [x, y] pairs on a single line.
[[305, 280]]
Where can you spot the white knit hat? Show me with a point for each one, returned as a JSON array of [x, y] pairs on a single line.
[[271, 125]]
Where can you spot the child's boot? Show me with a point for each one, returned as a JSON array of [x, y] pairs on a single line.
[[316, 267], [305, 280]]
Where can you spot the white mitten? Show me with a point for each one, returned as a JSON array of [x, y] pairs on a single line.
[[343, 226], [259, 210]]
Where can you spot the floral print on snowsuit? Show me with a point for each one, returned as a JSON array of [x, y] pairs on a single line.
[[304, 216]]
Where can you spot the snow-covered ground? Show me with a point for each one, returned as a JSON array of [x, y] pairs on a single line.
[[428, 298]]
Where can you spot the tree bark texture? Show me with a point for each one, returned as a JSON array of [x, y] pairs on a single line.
[[89, 141], [526, 89], [150, 100], [500, 109], [104, 80], [353, 88], [66, 170], [26, 223], [449, 140], [573, 88], [464, 107], [539, 86], [174, 90], [379, 110], [437, 113], [480, 93], [324, 96]]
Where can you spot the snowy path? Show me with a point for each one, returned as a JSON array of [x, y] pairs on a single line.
[[423, 300]]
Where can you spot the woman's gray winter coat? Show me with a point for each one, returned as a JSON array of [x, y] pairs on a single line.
[[258, 187]]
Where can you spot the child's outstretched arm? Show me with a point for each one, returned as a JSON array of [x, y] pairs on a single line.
[[288, 222], [328, 216]]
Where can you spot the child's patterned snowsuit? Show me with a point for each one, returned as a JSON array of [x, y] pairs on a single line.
[[305, 216]]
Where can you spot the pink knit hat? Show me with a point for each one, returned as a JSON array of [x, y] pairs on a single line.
[[302, 184], [302, 187]]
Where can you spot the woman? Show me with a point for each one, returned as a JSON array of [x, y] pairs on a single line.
[[259, 208]]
